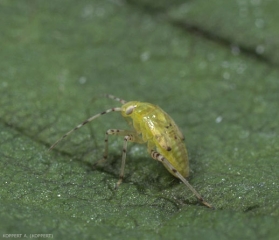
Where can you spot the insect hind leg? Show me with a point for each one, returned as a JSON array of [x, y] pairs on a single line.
[[157, 156]]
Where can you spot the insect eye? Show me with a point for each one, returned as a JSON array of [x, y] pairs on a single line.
[[129, 110]]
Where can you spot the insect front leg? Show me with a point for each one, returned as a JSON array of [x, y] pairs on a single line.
[[130, 136], [157, 156]]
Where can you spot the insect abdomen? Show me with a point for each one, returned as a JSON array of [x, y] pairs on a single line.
[[177, 156]]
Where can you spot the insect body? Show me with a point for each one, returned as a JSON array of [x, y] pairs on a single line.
[[160, 132], [153, 126]]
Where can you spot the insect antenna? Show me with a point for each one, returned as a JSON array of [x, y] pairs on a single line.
[[116, 109], [114, 98]]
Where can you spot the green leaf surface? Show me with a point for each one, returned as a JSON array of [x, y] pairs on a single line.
[[211, 65]]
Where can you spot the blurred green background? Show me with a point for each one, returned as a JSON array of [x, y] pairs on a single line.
[[212, 65]]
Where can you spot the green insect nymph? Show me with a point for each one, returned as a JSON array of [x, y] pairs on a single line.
[[150, 125]]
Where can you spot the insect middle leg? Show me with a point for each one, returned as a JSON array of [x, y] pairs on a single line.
[[130, 136], [157, 156]]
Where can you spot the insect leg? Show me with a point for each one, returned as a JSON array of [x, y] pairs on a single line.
[[130, 136], [157, 156], [112, 132]]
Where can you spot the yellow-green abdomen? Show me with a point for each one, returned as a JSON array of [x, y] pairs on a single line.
[[178, 157]]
